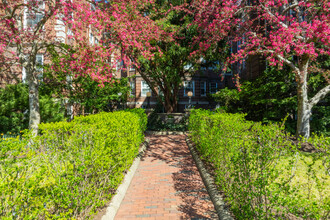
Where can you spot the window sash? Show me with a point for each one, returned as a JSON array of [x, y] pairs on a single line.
[[91, 38], [144, 88], [203, 88], [213, 87], [39, 66], [189, 86], [132, 85], [32, 18]]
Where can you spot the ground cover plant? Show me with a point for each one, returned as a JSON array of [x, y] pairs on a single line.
[[262, 172], [69, 170]]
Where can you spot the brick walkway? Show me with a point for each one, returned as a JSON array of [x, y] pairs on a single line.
[[167, 184]]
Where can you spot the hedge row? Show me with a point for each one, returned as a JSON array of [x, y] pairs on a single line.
[[71, 169], [260, 170]]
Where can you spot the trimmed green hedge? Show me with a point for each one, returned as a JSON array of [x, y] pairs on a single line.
[[260, 170], [71, 169]]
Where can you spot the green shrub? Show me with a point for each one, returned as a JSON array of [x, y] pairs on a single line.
[[142, 115], [260, 170], [71, 169], [14, 102], [14, 109], [156, 123], [227, 98], [89, 95], [273, 94]]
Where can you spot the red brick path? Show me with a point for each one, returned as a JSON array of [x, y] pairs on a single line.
[[167, 184]]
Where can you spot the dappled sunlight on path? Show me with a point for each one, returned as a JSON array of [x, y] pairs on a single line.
[[167, 184]]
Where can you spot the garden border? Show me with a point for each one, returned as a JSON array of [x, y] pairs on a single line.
[[165, 132], [216, 198], [114, 205]]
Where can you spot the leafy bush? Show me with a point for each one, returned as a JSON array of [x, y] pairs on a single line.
[[260, 170], [142, 115], [227, 98], [14, 102], [155, 123], [272, 95], [71, 169], [86, 93], [14, 109]]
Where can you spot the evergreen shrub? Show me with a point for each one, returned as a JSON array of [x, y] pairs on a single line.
[[261, 171], [14, 109], [71, 169]]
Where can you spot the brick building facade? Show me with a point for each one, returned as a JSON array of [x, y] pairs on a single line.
[[203, 83]]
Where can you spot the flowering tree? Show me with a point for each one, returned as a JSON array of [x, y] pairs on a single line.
[[294, 33], [101, 32], [172, 61], [176, 56]]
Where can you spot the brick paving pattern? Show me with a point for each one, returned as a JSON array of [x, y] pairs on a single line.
[[167, 184]]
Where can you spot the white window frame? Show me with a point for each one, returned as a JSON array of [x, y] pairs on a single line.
[[185, 86], [119, 65], [145, 88], [93, 7], [91, 38], [40, 70], [131, 66], [69, 33], [132, 86], [23, 75], [202, 85], [188, 66], [42, 12], [42, 60], [210, 87]]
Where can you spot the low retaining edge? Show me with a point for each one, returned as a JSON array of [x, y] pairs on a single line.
[[121, 191], [216, 198]]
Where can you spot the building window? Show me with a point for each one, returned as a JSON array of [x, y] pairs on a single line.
[[213, 87], [132, 86], [93, 8], [23, 75], [144, 88], [33, 19], [188, 66], [91, 39], [132, 66], [34, 16], [203, 88], [119, 65], [39, 66], [189, 86]]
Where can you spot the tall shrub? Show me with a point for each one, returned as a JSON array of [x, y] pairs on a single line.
[[260, 170], [70, 170], [14, 108]]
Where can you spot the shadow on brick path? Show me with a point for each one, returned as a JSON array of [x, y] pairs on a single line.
[[167, 184]]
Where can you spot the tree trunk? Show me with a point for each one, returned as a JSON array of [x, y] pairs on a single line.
[[33, 103], [170, 106], [304, 108], [171, 101]]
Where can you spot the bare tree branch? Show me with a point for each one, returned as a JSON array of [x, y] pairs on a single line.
[[290, 7], [320, 95]]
